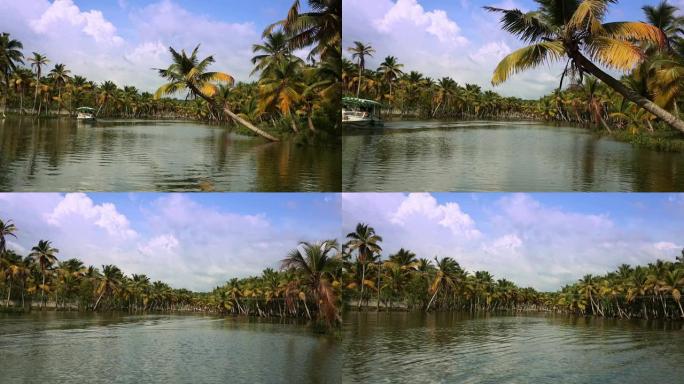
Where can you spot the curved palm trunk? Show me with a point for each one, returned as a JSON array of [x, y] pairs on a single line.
[[628, 93], [233, 115], [431, 300], [358, 86]]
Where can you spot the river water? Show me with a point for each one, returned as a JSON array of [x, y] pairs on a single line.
[[371, 348], [145, 155], [93, 348], [457, 348], [499, 156]]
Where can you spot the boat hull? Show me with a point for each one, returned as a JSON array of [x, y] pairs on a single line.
[[362, 124]]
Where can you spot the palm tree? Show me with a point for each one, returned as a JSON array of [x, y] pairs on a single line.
[[37, 63], [60, 77], [316, 263], [21, 81], [321, 27], [367, 243], [445, 278], [7, 228], [189, 72], [360, 51], [672, 283], [273, 51], [45, 256], [10, 56], [573, 29], [110, 282], [665, 16], [282, 88], [390, 69]]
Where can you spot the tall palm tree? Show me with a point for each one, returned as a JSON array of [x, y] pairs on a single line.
[[44, 255], [10, 56], [665, 16], [574, 29], [37, 62], [7, 228], [60, 77], [359, 52], [320, 27], [390, 69], [271, 52], [367, 243], [189, 73], [316, 263]]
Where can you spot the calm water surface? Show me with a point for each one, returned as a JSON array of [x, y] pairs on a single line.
[[64, 155], [455, 348], [81, 348], [501, 156]]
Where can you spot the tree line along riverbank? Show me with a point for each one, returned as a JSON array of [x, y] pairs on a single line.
[[643, 107], [292, 97]]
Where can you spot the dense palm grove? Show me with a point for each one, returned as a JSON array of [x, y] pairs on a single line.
[[291, 97], [316, 280], [304, 287], [651, 54]]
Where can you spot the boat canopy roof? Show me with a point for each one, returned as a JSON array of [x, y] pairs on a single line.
[[85, 109], [354, 101]]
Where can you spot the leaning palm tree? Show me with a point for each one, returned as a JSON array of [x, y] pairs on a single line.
[[37, 62], [189, 73], [44, 255], [574, 30], [316, 264], [6, 229], [360, 51], [446, 277], [10, 56], [110, 282], [367, 243], [320, 27]]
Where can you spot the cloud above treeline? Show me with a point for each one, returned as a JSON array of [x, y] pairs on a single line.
[[516, 237], [93, 46], [439, 44], [177, 238]]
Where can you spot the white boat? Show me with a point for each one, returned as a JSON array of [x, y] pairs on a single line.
[[360, 112], [85, 114]]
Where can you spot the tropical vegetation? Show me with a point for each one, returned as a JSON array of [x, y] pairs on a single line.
[[643, 106], [292, 96], [316, 280]]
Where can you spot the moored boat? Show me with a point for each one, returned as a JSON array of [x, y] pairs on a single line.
[[360, 112], [85, 114]]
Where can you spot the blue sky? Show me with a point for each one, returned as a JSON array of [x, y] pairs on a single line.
[[195, 241], [543, 240], [122, 40], [455, 38]]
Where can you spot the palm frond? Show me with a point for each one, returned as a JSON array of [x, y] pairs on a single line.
[[526, 58]]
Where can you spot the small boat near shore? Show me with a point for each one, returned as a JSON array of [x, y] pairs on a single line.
[[85, 114], [360, 113]]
